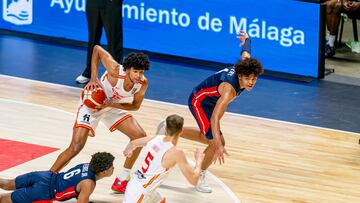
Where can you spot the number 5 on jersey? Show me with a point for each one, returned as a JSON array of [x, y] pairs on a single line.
[[149, 157]]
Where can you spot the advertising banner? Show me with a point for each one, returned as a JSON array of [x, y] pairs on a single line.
[[284, 33]]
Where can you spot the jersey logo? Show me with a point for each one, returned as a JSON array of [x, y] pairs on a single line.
[[231, 71], [86, 118], [85, 170], [155, 148], [133, 90], [116, 95]]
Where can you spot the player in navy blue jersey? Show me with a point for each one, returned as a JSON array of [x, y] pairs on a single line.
[[46, 186], [210, 99]]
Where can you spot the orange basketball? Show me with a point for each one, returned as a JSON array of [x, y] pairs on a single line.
[[93, 98]]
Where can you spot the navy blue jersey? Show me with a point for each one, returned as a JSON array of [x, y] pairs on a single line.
[[66, 182], [203, 99], [207, 90], [46, 186]]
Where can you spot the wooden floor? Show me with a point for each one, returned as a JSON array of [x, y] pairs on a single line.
[[269, 161]]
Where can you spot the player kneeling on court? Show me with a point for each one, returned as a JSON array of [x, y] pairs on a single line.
[[46, 186], [162, 155]]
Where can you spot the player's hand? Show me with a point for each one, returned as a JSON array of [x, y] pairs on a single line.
[[347, 5], [106, 103], [351, 5], [219, 154], [242, 36], [128, 150], [93, 84]]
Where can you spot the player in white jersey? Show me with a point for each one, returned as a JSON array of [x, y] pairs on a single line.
[[161, 156], [125, 86]]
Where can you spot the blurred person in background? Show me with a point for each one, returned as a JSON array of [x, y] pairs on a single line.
[[99, 14], [334, 8]]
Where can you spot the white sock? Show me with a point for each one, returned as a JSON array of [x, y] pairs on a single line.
[[327, 35], [331, 40], [124, 174]]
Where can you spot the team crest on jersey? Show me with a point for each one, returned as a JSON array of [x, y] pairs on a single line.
[[133, 90], [155, 148], [116, 95], [231, 71], [85, 170]]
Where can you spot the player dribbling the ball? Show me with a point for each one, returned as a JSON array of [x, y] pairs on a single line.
[[125, 86]]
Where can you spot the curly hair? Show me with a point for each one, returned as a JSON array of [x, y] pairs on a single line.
[[248, 66], [101, 161], [136, 60]]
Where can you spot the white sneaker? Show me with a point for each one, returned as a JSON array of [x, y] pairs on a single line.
[[202, 186], [82, 79], [161, 128]]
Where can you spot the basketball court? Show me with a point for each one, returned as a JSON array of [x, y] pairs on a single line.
[[270, 161]]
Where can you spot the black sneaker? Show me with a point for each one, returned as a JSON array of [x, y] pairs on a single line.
[[329, 51]]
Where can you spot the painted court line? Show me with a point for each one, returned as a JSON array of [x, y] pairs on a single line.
[[20, 152]]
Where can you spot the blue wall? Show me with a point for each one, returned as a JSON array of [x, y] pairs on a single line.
[[285, 33]]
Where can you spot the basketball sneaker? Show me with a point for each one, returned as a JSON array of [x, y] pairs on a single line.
[[82, 79], [160, 130], [202, 186], [118, 186]]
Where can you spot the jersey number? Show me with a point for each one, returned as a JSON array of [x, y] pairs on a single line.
[[149, 157], [71, 173]]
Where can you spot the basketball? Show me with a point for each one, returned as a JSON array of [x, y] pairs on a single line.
[[93, 98]]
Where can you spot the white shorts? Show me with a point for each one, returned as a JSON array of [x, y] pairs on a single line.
[[141, 189], [111, 117]]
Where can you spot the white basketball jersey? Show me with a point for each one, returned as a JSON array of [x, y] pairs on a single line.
[[156, 149], [117, 93], [152, 167]]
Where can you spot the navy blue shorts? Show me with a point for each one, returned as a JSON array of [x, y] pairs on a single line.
[[202, 115], [32, 187]]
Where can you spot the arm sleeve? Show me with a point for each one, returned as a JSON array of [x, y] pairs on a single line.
[[247, 46]]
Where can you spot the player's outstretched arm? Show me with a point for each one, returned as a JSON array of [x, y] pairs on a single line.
[[192, 175], [245, 44], [141, 142], [85, 187]]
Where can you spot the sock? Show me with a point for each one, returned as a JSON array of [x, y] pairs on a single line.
[[124, 174], [331, 40], [327, 35]]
